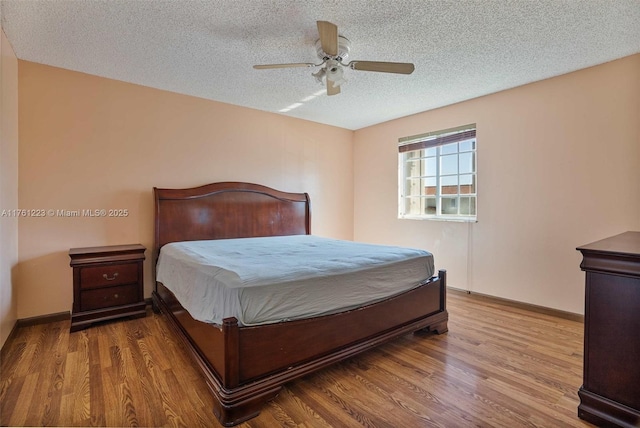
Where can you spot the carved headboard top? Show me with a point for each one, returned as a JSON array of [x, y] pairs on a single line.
[[228, 210]]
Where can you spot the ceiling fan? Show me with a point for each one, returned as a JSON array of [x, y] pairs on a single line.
[[333, 50]]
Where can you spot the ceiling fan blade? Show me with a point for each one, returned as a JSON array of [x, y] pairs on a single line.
[[332, 90], [384, 67], [328, 37], [296, 64]]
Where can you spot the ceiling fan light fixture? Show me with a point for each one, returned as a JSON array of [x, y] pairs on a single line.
[[334, 70], [319, 75], [337, 83]]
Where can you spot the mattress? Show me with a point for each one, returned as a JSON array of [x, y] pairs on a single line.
[[274, 279]]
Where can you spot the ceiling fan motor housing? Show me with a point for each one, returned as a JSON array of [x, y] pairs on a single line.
[[344, 46]]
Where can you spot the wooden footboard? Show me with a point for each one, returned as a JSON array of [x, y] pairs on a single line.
[[246, 366]]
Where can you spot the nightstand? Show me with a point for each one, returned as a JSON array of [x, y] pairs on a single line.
[[107, 284]]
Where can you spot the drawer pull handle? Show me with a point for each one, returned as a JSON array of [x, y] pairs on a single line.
[[105, 276], [115, 296]]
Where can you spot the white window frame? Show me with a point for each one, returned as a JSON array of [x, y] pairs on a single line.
[[430, 147]]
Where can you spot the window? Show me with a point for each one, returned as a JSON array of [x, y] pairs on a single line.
[[437, 175]]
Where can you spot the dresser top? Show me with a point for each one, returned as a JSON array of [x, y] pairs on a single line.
[[625, 243]]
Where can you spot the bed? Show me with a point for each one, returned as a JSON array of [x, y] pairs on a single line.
[[245, 363]]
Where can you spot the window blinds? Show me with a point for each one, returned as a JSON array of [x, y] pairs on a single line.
[[424, 141]]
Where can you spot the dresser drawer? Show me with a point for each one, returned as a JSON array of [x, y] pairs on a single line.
[[108, 297], [108, 275]]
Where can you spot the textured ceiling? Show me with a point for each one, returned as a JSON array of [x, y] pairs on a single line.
[[461, 49]]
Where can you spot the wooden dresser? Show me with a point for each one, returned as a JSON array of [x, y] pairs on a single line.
[[610, 394], [107, 283]]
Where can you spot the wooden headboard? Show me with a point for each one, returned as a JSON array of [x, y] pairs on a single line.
[[228, 210]]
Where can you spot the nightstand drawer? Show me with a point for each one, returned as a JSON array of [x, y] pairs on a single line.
[[108, 275], [108, 297]]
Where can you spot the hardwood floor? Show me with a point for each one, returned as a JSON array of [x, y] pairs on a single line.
[[498, 366]]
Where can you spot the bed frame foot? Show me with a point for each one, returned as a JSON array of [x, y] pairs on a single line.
[[439, 328], [231, 413]]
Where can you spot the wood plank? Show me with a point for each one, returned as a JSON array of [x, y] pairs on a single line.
[[499, 366]]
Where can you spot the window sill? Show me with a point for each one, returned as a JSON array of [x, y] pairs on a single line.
[[441, 218]]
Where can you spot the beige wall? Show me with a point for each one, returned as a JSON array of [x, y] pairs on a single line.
[[558, 166], [8, 185], [92, 143]]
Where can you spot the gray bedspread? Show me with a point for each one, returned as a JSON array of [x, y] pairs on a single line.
[[273, 279]]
